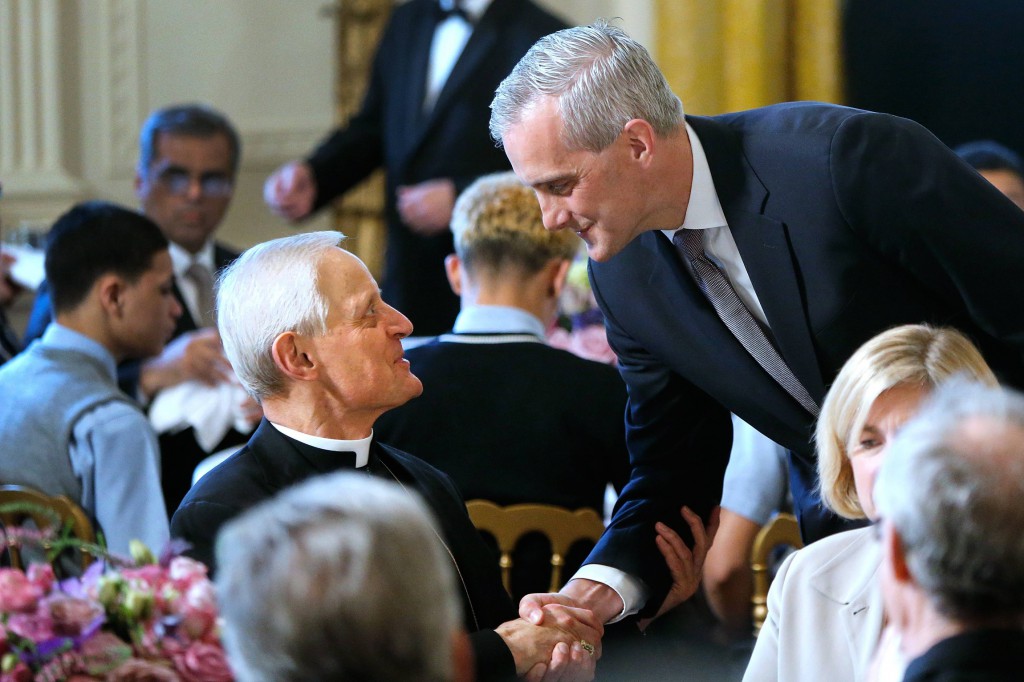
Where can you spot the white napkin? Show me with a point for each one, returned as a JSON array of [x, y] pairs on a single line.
[[27, 268], [210, 410]]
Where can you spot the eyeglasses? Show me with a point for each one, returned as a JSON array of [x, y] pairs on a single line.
[[178, 181]]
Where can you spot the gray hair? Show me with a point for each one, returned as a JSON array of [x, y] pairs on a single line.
[[338, 578], [952, 487], [602, 79], [188, 120], [270, 289]]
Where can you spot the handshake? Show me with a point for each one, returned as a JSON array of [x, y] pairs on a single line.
[[557, 637]]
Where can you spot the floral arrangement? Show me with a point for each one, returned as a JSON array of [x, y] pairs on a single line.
[[143, 621], [580, 329]]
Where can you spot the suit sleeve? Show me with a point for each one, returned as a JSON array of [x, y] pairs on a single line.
[[678, 440], [198, 522]]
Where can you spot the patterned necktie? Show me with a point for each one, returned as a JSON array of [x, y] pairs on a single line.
[[201, 278], [747, 330]]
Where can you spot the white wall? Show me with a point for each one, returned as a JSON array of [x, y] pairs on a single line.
[[78, 77]]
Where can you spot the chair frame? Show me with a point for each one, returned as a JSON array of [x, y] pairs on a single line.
[[71, 516], [563, 527], [782, 529]]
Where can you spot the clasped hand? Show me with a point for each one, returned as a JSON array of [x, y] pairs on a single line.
[[550, 645]]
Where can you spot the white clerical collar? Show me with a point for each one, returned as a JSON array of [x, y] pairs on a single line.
[[361, 447], [497, 319], [704, 210], [182, 259]]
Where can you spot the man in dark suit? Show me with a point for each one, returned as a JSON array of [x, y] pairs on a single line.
[[424, 120], [322, 352], [498, 412], [948, 495], [830, 224], [188, 160]]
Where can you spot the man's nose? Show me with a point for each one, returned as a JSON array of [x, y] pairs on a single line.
[[554, 215]]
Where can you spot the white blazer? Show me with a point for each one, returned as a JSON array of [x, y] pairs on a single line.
[[824, 613]]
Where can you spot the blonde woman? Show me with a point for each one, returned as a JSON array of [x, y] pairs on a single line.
[[824, 606]]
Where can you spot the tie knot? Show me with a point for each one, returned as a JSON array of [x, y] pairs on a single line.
[[452, 8], [691, 242], [199, 272]]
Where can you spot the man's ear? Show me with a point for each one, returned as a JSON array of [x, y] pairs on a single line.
[[897, 555], [110, 291], [559, 273], [453, 268], [139, 185], [291, 355], [641, 139]]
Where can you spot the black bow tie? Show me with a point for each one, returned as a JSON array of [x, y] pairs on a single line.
[[452, 8]]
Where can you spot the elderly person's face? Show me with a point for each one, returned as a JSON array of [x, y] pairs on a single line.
[[365, 371], [868, 448]]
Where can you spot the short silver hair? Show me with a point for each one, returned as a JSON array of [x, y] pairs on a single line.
[[602, 79], [953, 492], [338, 578], [270, 289]]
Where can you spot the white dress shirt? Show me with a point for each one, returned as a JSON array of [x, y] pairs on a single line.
[[450, 37]]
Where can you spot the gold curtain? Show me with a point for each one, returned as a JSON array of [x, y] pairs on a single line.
[[360, 212], [729, 55]]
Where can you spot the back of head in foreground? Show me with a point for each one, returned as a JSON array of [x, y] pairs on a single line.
[[339, 578], [951, 491]]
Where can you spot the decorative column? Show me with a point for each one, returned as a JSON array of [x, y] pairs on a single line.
[[37, 183]]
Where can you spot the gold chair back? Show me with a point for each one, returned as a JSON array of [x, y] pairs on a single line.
[[35, 508], [561, 526], [782, 530]]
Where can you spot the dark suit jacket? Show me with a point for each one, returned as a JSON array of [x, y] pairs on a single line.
[[179, 452], [848, 223], [515, 422], [975, 656], [271, 462], [452, 141]]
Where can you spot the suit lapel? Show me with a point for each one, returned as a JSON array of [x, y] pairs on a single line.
[[764, 246], [410, 89]]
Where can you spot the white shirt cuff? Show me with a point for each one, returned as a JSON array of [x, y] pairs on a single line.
[[631, 590]]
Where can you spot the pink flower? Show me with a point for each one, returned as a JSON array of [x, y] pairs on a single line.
[[41, 575], [186, 571], [103, 652], [591, 342], [202, 662], [559, 338], [71, 616], [19, 673], [198, 609], [138, 670], [37, 626], [17, 592]]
